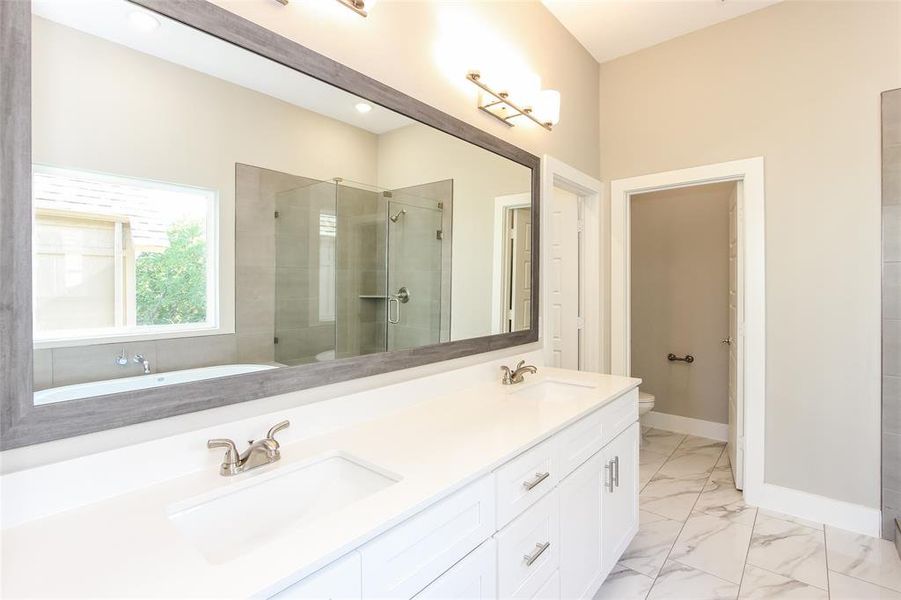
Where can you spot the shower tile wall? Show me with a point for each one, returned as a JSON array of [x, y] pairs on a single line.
[[891, 310], [432, 195]]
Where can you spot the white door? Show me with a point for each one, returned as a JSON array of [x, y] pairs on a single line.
[[734, 340], [521, 282], [581, 494], [620, 497], [563, 280]]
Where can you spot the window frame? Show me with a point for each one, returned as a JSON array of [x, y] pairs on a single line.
[[213, 323]]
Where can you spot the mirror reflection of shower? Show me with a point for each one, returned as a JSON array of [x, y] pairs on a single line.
[[347, 281]]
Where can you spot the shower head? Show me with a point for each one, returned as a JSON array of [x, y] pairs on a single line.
[[397, 215]]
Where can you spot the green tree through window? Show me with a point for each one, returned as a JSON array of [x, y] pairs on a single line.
[[170, 286]]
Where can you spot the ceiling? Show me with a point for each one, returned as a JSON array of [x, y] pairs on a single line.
[[612, 28], [182, 45]]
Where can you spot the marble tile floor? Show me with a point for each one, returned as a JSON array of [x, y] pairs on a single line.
[[698, 540]]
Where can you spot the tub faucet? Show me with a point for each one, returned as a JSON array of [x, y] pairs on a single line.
[[515, 375], [258, 453], [139, 358]]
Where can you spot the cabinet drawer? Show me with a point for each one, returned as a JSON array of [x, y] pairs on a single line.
[[338, 581], [473, 578], [619, 415], [550, 590], [525, 479], [523, 567], [404, 560]]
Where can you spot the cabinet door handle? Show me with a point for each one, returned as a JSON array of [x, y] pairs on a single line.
[[539, 477], [539, 550], [616, 470], [608, 476]]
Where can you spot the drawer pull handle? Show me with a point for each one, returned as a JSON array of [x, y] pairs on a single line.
[[539, 550], [616, 470], [539, 477], [608, 476]]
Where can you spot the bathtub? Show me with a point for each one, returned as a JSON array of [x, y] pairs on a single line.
[[140, 382]]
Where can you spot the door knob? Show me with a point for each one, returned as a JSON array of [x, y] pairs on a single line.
[[727, 340]]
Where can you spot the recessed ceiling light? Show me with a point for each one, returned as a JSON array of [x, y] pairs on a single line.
[[363, 108], [143, 21]]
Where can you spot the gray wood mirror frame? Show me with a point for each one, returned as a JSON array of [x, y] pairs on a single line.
[[21, 422]]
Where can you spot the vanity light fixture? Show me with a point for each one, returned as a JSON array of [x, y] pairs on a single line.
[[361, 7], [143, 21], [542, 107], [363, 108]]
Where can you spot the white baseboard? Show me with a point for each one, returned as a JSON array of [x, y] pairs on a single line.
[[687, 425], [837, 513]]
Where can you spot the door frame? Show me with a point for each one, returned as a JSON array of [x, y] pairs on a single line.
[[749, 173], [502, 205], [556, 173]]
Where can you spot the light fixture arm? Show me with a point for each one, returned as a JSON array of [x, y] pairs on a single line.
[[503, 98]]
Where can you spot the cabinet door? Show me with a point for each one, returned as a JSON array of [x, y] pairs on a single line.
[[581, 495], [337, 581], [620, 495], [473, 578]]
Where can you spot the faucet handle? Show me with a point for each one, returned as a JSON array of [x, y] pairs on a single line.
[[519, 365], [231, 453], [276, 428]]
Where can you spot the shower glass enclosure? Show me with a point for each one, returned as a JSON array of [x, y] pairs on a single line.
[[359, 269]]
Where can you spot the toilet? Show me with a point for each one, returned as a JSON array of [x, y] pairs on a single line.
[[645, 405]]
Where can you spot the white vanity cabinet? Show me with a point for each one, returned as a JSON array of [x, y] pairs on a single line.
[[338, 581], [620, 497], [581, 534], [548, 524]]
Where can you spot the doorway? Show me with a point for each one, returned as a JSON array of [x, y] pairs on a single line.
[[748, 340], [683, 273], [571, 324]]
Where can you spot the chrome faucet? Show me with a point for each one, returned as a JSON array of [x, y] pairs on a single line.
[[259, 453], [139, 358], [516, 375]]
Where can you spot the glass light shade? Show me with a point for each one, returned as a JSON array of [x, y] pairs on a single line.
[[547, 109], [525, 89]]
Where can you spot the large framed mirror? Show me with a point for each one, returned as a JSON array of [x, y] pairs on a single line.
[[197, 212]]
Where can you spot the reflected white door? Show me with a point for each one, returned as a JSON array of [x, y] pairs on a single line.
[[736, 407], [521, 281], [563, 279]]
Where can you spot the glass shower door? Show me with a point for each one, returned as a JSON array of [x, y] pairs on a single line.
[[414, 276], [305, 272]]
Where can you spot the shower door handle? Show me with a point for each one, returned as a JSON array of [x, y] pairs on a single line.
[[394, 300]]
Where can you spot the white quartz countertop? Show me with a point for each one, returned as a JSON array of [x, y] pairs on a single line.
[[127, 546]]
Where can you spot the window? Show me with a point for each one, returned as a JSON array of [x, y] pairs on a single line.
[[117, 257]]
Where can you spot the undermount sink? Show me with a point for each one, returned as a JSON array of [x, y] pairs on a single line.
[[227, 523], [550, 389]]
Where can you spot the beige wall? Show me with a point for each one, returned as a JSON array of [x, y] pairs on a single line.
[[680, 298], [797, 83], [424, 49]]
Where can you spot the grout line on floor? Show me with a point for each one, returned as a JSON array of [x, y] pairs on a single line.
[[744, 567], [676, 539], [668, 456]]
